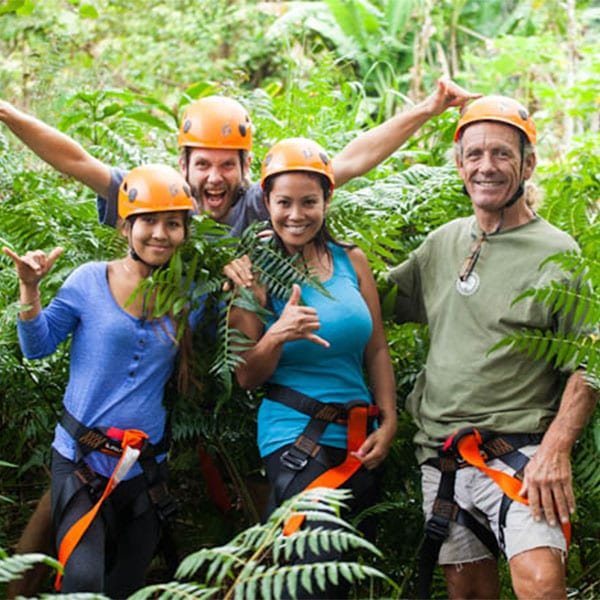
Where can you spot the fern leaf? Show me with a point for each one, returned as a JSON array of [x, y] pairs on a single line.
[[13, 567], [176, 591]]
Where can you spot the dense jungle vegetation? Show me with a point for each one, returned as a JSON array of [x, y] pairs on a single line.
[[114, 75]]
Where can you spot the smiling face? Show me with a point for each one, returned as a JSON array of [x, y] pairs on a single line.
[[490, 164], [155, 236], [215, 177], [297, 206]]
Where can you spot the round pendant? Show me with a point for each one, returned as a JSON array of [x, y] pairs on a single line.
[[469, 286]]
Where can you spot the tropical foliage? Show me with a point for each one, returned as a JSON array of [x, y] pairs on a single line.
[[263, 562], [115, 75]]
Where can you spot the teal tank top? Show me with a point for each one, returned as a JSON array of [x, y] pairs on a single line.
[[333, 374]]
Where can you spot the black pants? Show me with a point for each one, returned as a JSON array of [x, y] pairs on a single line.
[[365, 493], [114, 553]]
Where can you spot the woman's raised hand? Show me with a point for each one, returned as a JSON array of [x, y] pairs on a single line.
[[298, 322], [239, 273], [33, 265]]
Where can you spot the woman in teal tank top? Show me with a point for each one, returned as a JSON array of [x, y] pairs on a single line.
[[315, 347]]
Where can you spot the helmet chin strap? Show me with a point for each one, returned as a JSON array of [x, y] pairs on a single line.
[[518, 193]]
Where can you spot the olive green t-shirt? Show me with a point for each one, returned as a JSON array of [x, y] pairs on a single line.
[[462, 383]]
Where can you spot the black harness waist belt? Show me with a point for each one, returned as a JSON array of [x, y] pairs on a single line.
[[306, 445], [91, 439]]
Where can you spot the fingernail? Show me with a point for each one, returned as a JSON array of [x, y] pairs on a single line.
[[552, 522]]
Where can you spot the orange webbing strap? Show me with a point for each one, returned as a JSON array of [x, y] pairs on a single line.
[[336, 476], [468, 447], [131, 443]]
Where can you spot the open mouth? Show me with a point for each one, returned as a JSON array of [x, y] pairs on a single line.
[[214, 199]]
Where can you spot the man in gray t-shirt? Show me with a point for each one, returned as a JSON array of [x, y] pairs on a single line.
[[215, 141]]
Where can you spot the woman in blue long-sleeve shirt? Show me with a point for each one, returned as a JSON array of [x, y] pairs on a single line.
[[121, 359]]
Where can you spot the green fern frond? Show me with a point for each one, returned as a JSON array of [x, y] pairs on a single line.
[[177, 591], [272, 581], [13, 567], [563, 351], [253, 564], [583, 303], [580, 265], [318, 540], [222, 562], [278, 271], [586, 458]]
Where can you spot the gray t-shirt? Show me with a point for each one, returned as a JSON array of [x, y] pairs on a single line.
[[248, 209], [462, 383]]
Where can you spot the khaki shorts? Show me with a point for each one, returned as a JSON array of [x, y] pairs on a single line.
[[478, 494]]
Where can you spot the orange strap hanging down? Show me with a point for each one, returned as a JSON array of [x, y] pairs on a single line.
[[336, 476], [469, 449], [131, 443]]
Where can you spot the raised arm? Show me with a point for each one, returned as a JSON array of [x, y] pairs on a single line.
[[548, 480], [57, 149], [370, 148]]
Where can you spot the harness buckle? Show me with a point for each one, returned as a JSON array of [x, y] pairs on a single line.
[[294, 462], [437, 528], [164, 503]]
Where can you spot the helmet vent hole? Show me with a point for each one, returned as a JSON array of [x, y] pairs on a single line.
[[132, 195], [187, 126]]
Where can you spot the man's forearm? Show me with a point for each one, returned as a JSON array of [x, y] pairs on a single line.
[[373, 146], [57, 149], [577, 404]]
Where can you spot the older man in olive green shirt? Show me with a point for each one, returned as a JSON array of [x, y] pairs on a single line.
[[462, 282]]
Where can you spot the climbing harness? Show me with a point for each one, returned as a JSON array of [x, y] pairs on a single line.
[[130, 446], [357, 415], [473, 447]]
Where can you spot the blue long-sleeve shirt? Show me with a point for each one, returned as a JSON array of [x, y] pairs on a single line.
[[119, 364]]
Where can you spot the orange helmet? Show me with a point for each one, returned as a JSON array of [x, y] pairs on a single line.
[[297, 154], [497, 108], [153, 188], [216, 122]]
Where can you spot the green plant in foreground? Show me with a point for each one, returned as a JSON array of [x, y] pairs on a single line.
[[257, 562]]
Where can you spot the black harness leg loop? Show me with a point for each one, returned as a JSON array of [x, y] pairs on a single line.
[[502, 446], [156, 496]]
